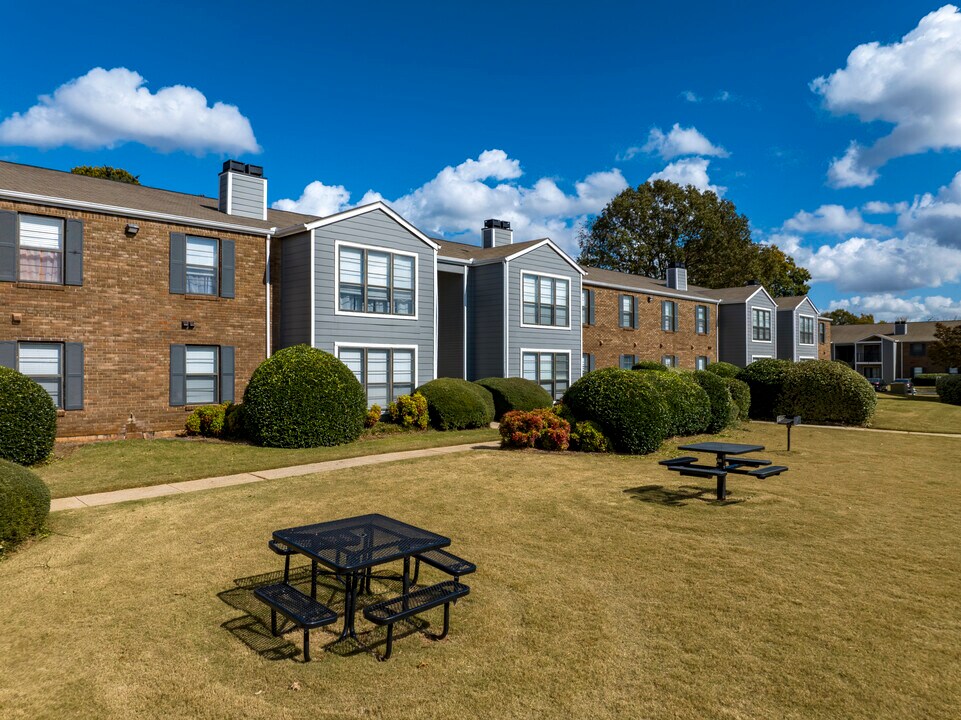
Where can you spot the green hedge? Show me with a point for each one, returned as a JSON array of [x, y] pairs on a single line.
[[303, 397], [724, 412], [24, 503], [652, 365], [822, 391], [630, 407], [207, 420], [689, 408], [741, 394], [927, 379], [949, 389], [454, 404], [724, 369], [28, 419], [765, 378], [515, 394]]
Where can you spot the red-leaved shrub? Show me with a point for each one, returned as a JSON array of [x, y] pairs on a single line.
[[535, 428]]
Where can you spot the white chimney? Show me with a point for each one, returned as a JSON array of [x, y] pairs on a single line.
[[496, 233], [677, 276], [900, 327], [243, 190]]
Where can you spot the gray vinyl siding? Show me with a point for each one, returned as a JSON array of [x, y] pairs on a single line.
[[485, 321], [374, 229], [888, 370], [732, 333], [787, 335], [805, 351], [542, 260], [247, 197], [450, 324], [294, 291], [755, 347]]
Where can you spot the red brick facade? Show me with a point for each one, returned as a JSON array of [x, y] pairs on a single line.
[[824, 347], [607, 341], [127, 319]]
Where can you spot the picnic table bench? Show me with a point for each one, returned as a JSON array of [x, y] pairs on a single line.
[[687, 465]]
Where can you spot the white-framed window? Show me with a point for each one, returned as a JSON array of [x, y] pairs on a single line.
[[701, 362], [917, 371], [805, 330], [40, 249], [201, 265], [626, 310], [43, 363], [669, 361], [550, 370], [761, 324], [546, 300], [702, 315], [376, 282], [627, 361], [760, 357], [668, 316], [201, 374], [385, 373]]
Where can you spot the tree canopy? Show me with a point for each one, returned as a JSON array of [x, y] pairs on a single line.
[[645, 229], [845, 317], [946, 350], [105, 172]]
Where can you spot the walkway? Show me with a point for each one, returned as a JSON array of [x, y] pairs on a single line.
[[187, 486], [922, 433]]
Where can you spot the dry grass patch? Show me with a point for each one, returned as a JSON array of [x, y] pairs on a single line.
[[606, 588], [916, 413]]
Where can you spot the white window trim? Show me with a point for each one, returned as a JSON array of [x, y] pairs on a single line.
[[814, 334], [376, 248], [570, 370], [521, 304], [760, 357], [363, 345], [750, 316]]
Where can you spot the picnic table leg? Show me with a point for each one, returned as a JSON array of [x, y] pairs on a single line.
[[721, 487], [313, 579], [406, 581], [350, 605]]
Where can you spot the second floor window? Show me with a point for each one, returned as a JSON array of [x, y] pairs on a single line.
[[668, 316], [760, 324], [822, 332], [702, 319], [376, 282], [627, 311], [545, 300], [806, 334], [917, 349], [41, 249], [201, 272]]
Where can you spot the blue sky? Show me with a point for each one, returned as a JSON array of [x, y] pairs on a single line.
[[534, 112]]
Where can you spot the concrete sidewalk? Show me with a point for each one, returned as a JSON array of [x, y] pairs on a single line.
[[187, 486]]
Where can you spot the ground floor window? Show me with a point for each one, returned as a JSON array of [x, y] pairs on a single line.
[[549, 370], [43, 363], [871, 373], [628, 361], [201, 374], [386, 373], [701, 362], [587, 363], [760, 357], [918, 370], [669, 360]]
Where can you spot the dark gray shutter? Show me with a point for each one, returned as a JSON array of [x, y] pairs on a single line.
[[178, 375], [590, 307], [73, 254], [590, 362], [226, 374], [674, 318], [8, 354], [178, 263], [620, 311], [8, 246], [634, 318], [73, 376], [227, 264]]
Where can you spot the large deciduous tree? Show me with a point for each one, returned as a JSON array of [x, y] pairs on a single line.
[[946, 350], [105, 172], [846, 317], [645, 229]]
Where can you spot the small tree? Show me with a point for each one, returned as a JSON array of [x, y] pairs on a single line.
[[105, 172], [946, 350], [845, 317]]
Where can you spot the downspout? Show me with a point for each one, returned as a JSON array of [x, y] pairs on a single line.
[[267, 276]]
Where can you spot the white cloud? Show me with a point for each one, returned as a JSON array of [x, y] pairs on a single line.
[[724, 96], [106, 108], [878, 207], [676, 142], [690, 96], [937, 215], [888, 307], [832, 220], [914, 84], [689, 171], [459, 198]]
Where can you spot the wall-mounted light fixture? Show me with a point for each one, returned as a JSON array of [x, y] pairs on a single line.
[[131, 230], [186, 324]]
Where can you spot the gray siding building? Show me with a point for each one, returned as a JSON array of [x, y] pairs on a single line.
[[747, 324], [797, 328]]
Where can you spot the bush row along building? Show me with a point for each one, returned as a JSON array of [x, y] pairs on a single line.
[[131, 304]]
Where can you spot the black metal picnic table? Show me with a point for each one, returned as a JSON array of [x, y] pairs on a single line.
[[350, 547], [722, 450], [743, 466]]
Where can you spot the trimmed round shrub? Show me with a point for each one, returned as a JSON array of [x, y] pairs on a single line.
[[539, 428], [949, 389], [724, 369], [629, 406], [723, 410], [28, 419], [207, 420], [688, 405], [765, 378], [409, 411], [821, 391], [235, 418], [651, 365], [741, 394], [588, 436], [304, 397], [927, 379], [24, 503], [515, 394], [454, 404]]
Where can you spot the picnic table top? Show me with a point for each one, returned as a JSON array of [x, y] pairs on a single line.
[[721, 448]]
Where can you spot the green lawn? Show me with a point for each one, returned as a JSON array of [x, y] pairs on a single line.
[[918, 413], [607, 587], [100, 467]]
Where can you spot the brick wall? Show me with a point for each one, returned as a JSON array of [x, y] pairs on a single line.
[[127, 319], [606, 341], [824, 349]]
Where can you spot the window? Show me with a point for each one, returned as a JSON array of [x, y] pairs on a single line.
[[702, 318], [41, 249], [806, 330], [701, 362], [668, 316], [386, 373], [917, 370], [545, 300], [201, 374], [761, 324], [822, 332], [627, 305], [376, 282], [201, 266], [587, 307], [669, 360], [198, 265], [549, 370], [628, 361], [917, 349], [587, 363], [43, 363]]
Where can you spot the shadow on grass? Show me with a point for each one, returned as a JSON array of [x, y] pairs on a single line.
[[679, 496], [253, 627]]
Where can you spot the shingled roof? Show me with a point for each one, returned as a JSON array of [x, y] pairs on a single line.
[[466, 251], [641, 283], [916, 331]]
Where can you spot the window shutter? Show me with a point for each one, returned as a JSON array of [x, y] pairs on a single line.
[[178, 264], [73, 376], [590, 362], [178, 375], [634, 322], [8, 246], [8, 354], [674, 318], [590, 309], [73, 256], [226, 373], [227, 263]]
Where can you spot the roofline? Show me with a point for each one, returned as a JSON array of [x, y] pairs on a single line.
[[643, 291], [459, 261], [361, 210], [130, 212], [760, 288], [555, 248]]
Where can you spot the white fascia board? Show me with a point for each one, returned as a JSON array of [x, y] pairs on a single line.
[[458, 261], [84, 205], [372, 207], [659, 293], [550, 243]]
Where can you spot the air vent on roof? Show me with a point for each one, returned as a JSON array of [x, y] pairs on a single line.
[[496, 233], [677, 276], [243, 190]]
